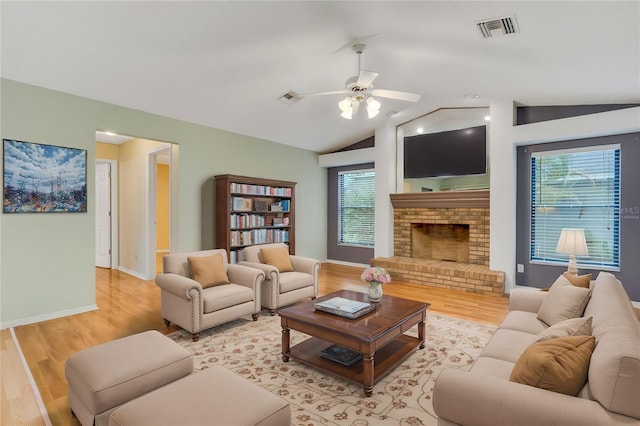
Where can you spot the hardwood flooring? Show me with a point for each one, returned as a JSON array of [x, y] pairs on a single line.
[[128, 305]]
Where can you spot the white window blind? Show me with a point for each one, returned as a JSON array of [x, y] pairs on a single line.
[[578, 188], [356, 201]]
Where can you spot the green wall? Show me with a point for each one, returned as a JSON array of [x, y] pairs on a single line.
[[47, 260]]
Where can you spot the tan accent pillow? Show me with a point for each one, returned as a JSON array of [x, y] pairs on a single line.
[[278, 257], [559, 365], [563, 301], [578, 280], [209, 271], [570, 327]]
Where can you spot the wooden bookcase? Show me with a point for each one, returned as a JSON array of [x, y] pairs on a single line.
[[247, 213]]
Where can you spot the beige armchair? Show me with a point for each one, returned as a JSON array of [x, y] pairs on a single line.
[[283, 288], [186, 303]]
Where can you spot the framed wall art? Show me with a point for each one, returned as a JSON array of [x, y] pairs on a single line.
[[42, 178]]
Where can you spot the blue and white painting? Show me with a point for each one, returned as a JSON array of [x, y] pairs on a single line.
[[44, 178]]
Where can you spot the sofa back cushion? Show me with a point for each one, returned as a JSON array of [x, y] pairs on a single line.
[[614, 371]]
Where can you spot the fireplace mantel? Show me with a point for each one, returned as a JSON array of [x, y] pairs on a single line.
[[441, 199]]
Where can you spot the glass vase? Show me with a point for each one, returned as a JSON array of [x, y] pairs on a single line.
[[375, 291]]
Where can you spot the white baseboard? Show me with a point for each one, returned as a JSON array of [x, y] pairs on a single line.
[[47, 317], [134, 273], [30, 379], [340, 262]]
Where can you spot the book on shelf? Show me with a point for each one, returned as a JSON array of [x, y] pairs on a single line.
[[341, 355], [241, 204], [344, 307]]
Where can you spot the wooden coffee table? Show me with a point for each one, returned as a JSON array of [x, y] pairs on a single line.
[[378, 336]]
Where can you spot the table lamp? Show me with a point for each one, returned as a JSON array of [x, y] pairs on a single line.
[[572, 242]]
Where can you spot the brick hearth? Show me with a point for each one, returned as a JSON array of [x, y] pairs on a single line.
[[463, 207]]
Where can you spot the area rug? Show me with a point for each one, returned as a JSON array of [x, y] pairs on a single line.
[[403, 397]]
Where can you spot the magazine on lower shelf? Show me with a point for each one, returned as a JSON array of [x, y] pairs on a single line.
[[344, 307], [341, 355]]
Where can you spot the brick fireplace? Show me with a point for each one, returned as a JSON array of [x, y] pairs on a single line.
[[442, 239]]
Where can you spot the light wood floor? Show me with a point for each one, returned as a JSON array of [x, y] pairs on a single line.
[[128, 305]]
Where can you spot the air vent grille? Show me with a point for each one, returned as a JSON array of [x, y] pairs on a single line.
[[498, 26]]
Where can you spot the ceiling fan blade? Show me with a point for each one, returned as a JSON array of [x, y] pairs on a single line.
[[366, 78], [394, 94], [334, 92]]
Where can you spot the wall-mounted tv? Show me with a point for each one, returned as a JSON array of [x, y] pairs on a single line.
[[460, 152]]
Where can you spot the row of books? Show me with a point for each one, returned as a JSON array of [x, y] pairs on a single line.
[[260, 190], [259, 236], [236, 256], [247, 220], [281, 206]]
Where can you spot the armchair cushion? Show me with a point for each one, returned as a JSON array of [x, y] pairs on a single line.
[[290, 281], [225, 296], [209, 271], [277, 257]]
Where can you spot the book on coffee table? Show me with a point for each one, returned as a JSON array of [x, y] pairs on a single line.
[[344, 307], [341, 355]]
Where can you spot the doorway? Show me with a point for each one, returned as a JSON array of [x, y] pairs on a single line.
[[159, 202], [106, 213]]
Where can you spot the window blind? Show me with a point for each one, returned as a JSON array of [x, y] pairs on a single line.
[[356, 201], [578, 188]]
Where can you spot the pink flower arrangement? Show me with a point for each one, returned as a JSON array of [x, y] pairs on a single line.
[[375, 274]]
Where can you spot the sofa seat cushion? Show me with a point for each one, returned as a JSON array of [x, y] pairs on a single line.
[[216, 396], [508, 345], [290, 281], [496, 368], [107, 375], [527, 322], [224, 296]]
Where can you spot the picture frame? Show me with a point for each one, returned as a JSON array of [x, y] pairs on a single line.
[[260, 205], [41, 178]]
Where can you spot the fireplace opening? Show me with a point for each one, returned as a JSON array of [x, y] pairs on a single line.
[[443, 242]]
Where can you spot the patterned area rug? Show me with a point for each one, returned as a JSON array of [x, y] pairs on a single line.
[[403, 397]]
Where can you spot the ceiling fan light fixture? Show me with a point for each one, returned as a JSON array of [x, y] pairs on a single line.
[[345, 104], [373, 107], [347, 114]]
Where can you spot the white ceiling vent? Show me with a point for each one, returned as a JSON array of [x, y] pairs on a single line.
[[289, 98], [498, 26]]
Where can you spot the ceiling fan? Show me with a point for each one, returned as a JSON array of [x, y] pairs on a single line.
[[360, 89]]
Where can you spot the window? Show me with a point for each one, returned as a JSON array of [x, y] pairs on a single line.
[[576, 188], [356, 200]]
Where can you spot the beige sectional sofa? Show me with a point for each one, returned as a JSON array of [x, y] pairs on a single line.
[[611, 395]]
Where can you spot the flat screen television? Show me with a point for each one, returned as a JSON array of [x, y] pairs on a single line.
[[460, 152]]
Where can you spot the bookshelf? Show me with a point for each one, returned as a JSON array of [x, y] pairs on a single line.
[[251, 210]]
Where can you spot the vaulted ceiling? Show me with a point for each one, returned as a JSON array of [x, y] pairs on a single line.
[[226, 64]]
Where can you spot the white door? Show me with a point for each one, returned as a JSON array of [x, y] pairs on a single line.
[[103, 215]]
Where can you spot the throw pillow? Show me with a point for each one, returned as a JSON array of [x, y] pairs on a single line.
[[278, 257], [209, 271], [578, 280], [559, 365], [570, 327], [563, 301]]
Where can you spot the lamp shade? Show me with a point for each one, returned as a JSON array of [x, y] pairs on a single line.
[[573, 242]]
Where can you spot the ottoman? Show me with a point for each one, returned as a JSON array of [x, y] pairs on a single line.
[[104, 376], [216, 396]]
